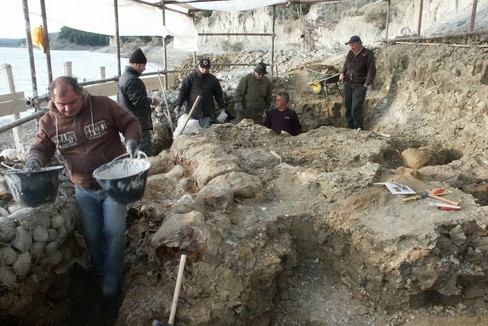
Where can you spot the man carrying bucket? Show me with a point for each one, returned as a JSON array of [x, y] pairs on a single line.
[[85, 129]]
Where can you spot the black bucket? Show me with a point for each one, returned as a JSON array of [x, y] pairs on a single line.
[[34, 188], [124, 180]]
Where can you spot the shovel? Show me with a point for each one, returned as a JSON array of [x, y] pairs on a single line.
[[168, 115], [172, 313], [195, 104], [426, 194]]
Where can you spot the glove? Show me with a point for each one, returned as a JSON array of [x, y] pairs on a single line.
[[239, 107], [131, 147], [32, 164], [154, 101], [177, 111]]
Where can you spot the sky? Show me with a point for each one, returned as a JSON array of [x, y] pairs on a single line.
[[12, 23]]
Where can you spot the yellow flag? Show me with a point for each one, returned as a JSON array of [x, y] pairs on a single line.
[[37, 35]]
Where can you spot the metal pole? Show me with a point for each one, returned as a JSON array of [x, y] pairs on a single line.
[[29, 47], [420, 17], [235, 34], [117, 36], [273, 42], [473, 15], [47, 48], [23, 120], [387, 18], [165, 50]]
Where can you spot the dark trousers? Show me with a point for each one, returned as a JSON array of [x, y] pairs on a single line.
[[354, 96], [242, 116], [145, 144]]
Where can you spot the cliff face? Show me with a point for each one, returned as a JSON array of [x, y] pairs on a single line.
[[330, 25]]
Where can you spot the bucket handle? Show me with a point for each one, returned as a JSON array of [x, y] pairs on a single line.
[[11, 168], [138, 155]]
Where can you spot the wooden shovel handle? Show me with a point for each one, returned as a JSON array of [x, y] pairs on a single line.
[[452, 202], [172, 314], [195, 104]]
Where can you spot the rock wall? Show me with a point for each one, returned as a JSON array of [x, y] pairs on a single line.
[[438, 91], [332, 24]]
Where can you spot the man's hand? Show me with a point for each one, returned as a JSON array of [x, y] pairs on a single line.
[[32, 164], [239, 107], [131, 147], [177, 111]]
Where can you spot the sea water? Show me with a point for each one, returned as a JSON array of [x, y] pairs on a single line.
[[85, 66]]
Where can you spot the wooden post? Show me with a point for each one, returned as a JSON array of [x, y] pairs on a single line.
[[9, 83], [273, 42], [387, 19], [419, 25], [29, 47], [7, 77], [117, 37], [165, 50], [102, 72], [47, 48], [67, 68], [473, 15]]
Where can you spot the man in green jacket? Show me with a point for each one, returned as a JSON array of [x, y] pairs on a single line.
[[253, 95]]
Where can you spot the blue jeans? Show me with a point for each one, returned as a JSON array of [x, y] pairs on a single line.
[[104, 227]]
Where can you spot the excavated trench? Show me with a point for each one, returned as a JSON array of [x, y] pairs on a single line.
[[324, 257]]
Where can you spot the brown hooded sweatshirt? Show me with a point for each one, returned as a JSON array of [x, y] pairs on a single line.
[[85, 141]]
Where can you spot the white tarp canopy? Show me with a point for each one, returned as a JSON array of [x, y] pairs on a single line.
[[232, 5], [135, 19], [138, 19]]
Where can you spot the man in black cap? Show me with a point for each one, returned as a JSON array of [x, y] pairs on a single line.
[[201, 82], [253, 95], [132, 96], [357, 74]]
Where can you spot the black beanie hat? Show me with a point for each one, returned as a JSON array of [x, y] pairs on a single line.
[[261, 68], [138, 57]]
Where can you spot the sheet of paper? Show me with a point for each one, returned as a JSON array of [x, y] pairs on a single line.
[[397, 188]]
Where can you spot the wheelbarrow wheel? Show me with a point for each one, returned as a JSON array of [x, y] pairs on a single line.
[[316, 87]]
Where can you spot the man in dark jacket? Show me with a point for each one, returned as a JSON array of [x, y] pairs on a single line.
[[253, 95], [201, 82], [132, 95], [283, 118], [85, 129], [357, 74]]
